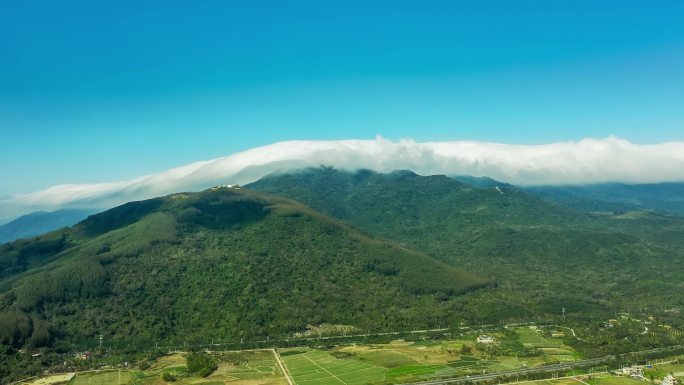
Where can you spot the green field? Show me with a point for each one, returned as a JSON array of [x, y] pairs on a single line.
[[661, 370], [388, 363], [255, 368], [676, 369], [113, 377], [613, 380], [405, 361], [316, 367]]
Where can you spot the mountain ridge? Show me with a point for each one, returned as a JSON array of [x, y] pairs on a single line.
[[544, 256], [39, 222]]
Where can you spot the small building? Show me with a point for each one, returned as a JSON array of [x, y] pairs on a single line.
[[225, 186], [631, 371], [83, 356], [483, 339]]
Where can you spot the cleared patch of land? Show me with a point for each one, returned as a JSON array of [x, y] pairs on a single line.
[[51, 380], [608, 379], [111, 377], [234, 368], [313, 367]]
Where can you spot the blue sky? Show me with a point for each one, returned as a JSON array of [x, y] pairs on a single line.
[[101, 91]]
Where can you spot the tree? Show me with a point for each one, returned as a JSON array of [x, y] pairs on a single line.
[[200, 364]]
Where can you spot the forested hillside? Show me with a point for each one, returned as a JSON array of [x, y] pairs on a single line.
[[544, 257], [223, 264]]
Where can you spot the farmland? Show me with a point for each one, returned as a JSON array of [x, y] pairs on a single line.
[[247, 367], [600, 379], [405, 361], [398, 361]]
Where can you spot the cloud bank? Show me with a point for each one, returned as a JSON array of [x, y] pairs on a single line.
[[578, 162]]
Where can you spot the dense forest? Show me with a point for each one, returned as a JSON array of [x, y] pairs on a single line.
[[545, 257], [223, 265]]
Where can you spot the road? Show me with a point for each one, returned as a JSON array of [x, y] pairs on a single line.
[[283, 368]]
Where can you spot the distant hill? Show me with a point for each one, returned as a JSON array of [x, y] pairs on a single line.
[[222, 264], [544, 256], [659, 197], [40, 222], [666, 198]]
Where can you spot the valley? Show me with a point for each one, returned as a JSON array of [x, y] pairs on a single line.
[[508, 354]]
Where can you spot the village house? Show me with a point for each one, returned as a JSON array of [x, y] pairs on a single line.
[[669, 380], [483, 339], [631, 371]]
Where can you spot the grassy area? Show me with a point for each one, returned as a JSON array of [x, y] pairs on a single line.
[[248, 367], [602, 379], [49, 380], [112, 377], [613, 380], [661, 370], [316, 367], [405, 361], [560, 381], [676, 369], [532, 337]]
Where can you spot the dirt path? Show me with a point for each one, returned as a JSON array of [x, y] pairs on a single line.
[[283, 368]]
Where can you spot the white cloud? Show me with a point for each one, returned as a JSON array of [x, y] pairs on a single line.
[[585, 161]]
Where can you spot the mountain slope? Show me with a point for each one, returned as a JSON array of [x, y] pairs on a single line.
[[545, 257], [222, 264], [41, 222]]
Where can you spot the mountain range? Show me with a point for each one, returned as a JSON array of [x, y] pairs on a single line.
[[370, 250], [40, 222], [663, 198], [543, 255]]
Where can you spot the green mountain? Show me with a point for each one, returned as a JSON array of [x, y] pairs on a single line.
[[41, 222], [544, 257], [222, 264]]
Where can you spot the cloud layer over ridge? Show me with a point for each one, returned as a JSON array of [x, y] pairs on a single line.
[[581, 162]]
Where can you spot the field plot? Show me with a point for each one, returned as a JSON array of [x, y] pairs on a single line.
[[553, 348], [258, 368], [676, 369], [111, 377], [602, 379], [659, 371], [314, 367], [377, 364], [532, 337], [241, 368], [51, 380], [608, 379], [406, 361]]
